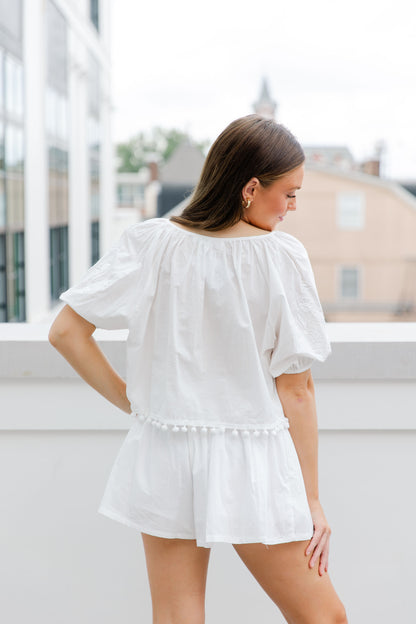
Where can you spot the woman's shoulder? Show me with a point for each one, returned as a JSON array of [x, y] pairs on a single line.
[[290, 245], [291, 259], [140, 227], [137, 233]]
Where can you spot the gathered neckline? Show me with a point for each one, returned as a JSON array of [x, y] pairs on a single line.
[[207, 236]]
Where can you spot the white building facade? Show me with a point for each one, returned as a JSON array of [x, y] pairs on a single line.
[[56, 165]]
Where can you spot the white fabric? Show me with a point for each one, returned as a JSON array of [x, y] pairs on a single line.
[[212, 488], [211, 322]]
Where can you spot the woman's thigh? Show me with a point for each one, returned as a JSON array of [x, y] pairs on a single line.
[[177, 570], [302, 595]]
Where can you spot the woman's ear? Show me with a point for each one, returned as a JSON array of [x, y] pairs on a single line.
[[249, 189]]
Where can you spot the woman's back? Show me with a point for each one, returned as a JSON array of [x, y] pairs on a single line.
[[212, 320]]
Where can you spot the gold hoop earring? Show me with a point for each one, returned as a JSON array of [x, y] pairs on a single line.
[[248, 203]]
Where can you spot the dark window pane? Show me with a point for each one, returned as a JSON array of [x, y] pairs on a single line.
[[3, 280], [19, 266], [95, 242], [95, 13], [3, 219], [15, 276], [58, 239], [1, 80]]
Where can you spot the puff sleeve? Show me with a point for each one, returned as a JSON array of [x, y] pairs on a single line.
[[299, 325], [106, 294]]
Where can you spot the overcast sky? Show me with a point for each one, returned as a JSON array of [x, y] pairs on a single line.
[[342, 72]]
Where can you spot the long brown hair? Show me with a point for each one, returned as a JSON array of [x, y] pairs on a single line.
[[250, 146]]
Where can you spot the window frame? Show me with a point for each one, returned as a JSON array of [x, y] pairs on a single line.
[[350, 222], [340, 272]]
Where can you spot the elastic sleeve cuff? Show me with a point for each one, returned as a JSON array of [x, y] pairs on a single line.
[[291, 365], [300, 365]]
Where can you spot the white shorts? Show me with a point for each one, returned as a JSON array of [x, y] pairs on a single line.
[[211, 488]]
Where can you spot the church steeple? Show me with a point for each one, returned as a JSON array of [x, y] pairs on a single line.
[[265, 106]]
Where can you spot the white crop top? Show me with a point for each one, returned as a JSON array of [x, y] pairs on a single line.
[[212, 321]]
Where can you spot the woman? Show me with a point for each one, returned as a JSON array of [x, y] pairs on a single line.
[[224, 322]]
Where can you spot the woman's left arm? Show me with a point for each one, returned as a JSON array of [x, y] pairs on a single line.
[[71, 335], [297, 396]]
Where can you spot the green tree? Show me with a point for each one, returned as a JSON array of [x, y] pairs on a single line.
[[158, 143]]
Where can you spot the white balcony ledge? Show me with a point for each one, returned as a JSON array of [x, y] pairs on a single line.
[[60, 439], [367, 382]]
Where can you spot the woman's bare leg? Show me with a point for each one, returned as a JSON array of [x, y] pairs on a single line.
[[302, 595], [177, 570]]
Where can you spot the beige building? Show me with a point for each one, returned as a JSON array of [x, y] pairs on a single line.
[[360, 232]]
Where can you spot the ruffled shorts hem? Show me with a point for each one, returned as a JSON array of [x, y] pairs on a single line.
[[210, 540]]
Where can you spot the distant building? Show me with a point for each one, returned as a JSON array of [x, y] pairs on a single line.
[[56, 170], [324, 155], [178, 176], [130, 190], [157, 187], [130, 206], [360, 232], [409, 185], [265, 106], [330, 156]]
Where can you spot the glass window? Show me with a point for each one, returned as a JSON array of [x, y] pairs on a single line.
[[62, 118], [50, 104], [10, 148], [9, 84], [19, 89], [58, 185], [56, 109], [3, 281], [94, 166], [93, 86], [2, 164], [95, 242], [15, 276], [1, 80], [14, 148], [19, 270], [94, 140], [58, 239], [11, 22], [57, 127], [350, 282], [94, 13], [11, 151], [15, 202], [57, 49], [129, 194], [3, 219], [350, 211], [14, 87], [14, 195], [95, 199], [20, 150]]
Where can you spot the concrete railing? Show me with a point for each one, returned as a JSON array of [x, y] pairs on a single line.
[[61, 561]]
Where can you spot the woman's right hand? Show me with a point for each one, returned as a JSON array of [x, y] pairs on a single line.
[[319, 544]]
